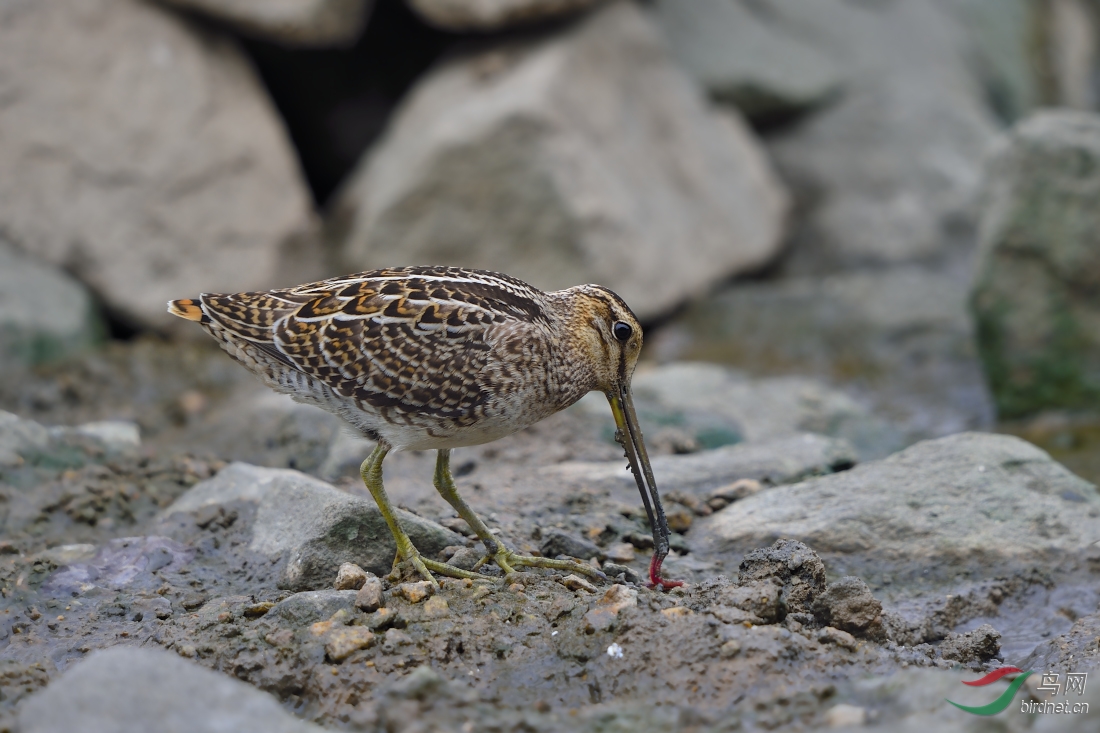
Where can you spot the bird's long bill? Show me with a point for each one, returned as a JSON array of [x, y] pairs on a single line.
[[629, 436]]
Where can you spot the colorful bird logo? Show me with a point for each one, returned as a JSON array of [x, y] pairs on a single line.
[[1001, 702]]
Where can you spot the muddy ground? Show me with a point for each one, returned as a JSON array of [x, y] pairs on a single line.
[[92, 557]]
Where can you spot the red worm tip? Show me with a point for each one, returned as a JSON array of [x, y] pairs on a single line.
[[655, 579], [993, 676]]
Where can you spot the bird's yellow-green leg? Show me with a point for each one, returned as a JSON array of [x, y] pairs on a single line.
[[496, 551], [371, 471]]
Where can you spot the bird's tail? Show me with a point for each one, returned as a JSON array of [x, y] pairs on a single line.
[[186, 308]]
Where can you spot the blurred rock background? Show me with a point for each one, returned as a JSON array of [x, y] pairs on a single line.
[[863, 194]]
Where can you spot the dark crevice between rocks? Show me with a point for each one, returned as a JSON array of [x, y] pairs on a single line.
[[336, 102]]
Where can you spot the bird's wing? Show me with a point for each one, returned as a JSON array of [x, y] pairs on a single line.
[[413, 337]]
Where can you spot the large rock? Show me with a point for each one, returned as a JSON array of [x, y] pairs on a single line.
[[25, 441], [586, 157], [776, 461], [1037, 294], [1003, 37], [1071, 29], [127, 562], [258, 426], [889, 172], [971, 503], [900, 340], [151, 165], [45, 315], [132, 690], [297, 23], [309, 527], [756, 409], [1075, 651], [487, 15], [1028, 54], [739, 55]]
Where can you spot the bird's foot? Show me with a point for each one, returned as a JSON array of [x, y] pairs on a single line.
[[505, 559], [425, 567], [451, 571]]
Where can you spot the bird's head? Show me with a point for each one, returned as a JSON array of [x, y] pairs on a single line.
[[607, 334]]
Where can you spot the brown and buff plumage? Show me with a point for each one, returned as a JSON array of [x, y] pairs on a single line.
[[431, 357]]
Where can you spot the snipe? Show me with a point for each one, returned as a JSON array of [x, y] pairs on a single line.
[[442, 357]]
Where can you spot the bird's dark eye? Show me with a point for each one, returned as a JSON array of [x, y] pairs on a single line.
[[622, 330]]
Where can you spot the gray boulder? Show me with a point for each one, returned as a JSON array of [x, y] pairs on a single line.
[[308, 526], [152, 166], [1003, 37], [740, 55], [584, 157], [1037, 295], [489, 15], [131, 690], [1075, 651], [25, 441], [21, 440], [126, 562], [45, 315], [775, 461], [710, 397], [711, 405], [295, 23], [971, 503], [900, 340], [888, 174], [256, 425]]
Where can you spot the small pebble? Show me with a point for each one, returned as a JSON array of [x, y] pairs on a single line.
[[730, 649], [615, 651], [254, 610], [382, 619], [192, 601], [676, 612], [575, 582], [843, 639], [679, 518], [340, 618], [844, 715], [350, 577], [735, 491], [436, 607], [415, 592], [345, 641], [620, 552], [369, 598]]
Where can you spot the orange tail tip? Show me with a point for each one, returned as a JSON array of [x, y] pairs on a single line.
[[186, 308]]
